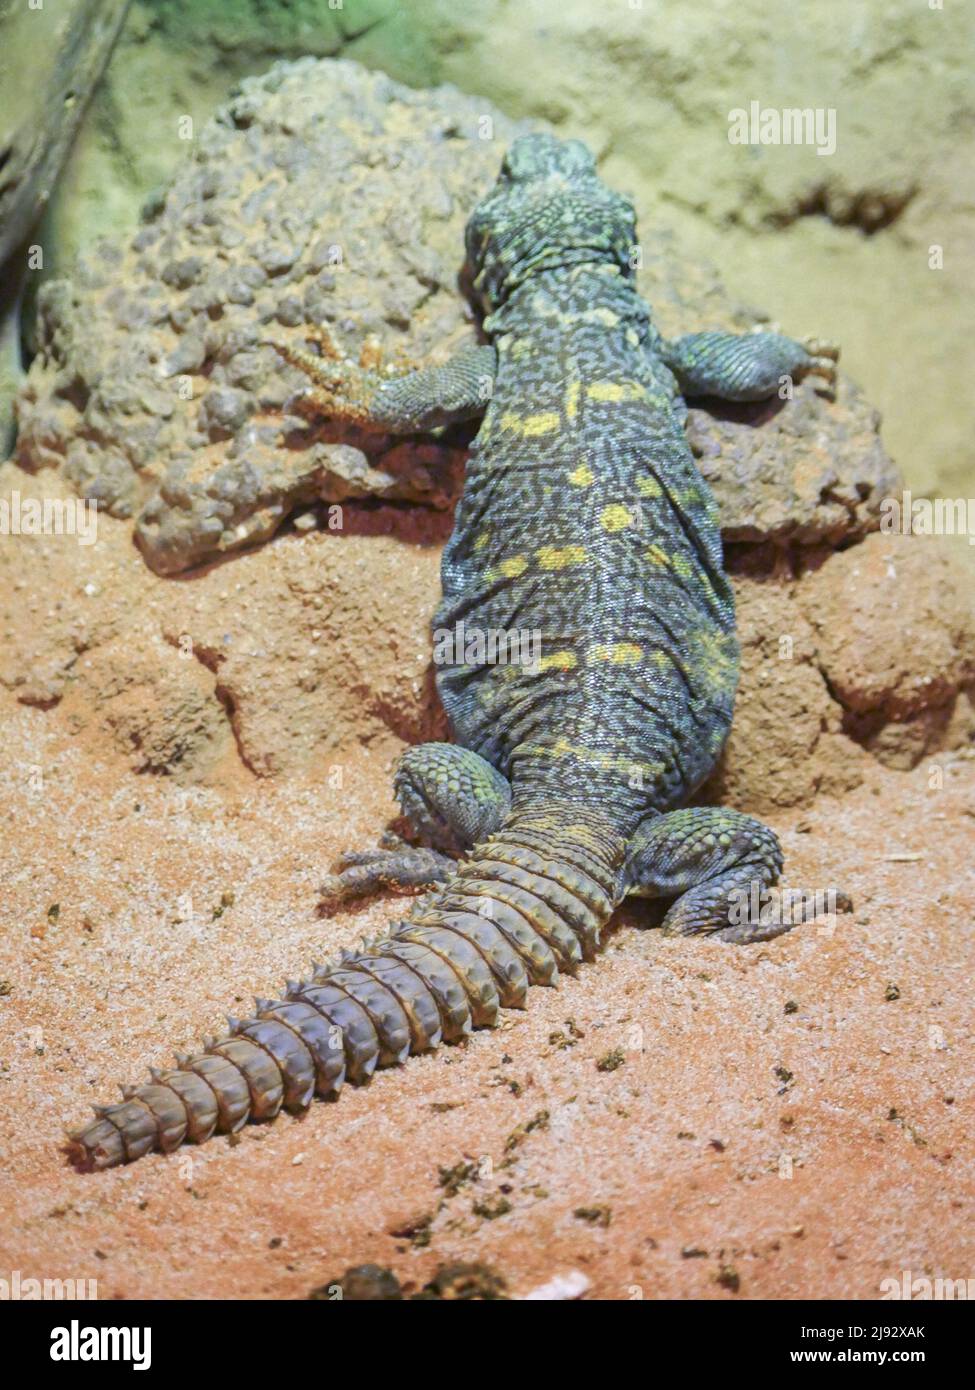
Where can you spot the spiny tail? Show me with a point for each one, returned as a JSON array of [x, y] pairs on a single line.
[[527, 904]]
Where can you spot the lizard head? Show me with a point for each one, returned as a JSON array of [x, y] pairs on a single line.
[[548, 208]]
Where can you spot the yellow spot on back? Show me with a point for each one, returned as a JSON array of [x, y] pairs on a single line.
[[558, 661], [603, 315], [552, 557], [713, 658], [649, 487], [615, 391], [620, 653], [573, 392], [615, 518], [545, 422], [513, 567], [680, 564], [593, 757], [482, 540], [583, 476]]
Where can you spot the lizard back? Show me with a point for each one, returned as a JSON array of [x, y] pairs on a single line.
[[585, 530]]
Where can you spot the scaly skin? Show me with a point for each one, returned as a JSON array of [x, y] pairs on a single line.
[[585, 528]]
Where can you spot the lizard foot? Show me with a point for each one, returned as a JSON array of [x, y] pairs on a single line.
[[361, 872], [449, 797], [717, 865], [780, 912], [340, 388], [374, 355]]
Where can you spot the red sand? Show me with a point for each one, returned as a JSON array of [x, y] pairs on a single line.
[[781, 1125]]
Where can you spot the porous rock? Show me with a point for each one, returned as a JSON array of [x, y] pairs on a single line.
[[152, 396], [323, 193]]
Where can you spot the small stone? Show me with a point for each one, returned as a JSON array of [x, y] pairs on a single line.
[[181, 274], [361, 1284]]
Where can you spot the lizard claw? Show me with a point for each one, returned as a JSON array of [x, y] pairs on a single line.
[[822, 347], [823, 356], [321, 334], [369, 871]]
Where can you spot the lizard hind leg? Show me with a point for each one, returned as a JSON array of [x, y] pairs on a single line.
[[451, 795], [452, 799], [708, 860]]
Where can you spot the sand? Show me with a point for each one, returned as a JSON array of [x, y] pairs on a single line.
[[683, 1119]]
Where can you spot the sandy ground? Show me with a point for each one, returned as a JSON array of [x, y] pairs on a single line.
[[788, 1120]]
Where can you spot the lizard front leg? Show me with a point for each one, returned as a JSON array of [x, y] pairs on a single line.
[[452, 798], [745, 366], [406, 402]]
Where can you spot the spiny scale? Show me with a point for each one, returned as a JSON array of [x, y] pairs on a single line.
[[441, 972]]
